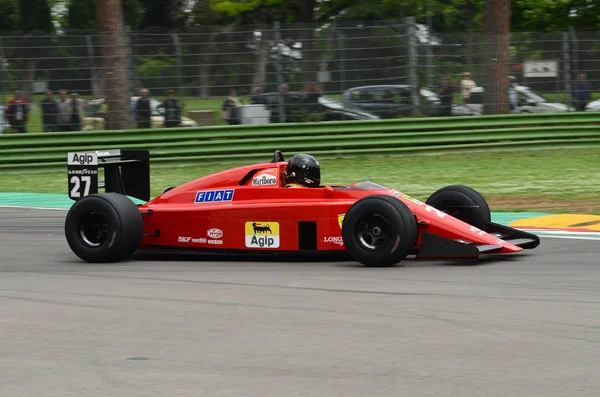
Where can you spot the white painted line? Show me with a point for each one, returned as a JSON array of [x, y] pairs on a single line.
[[558, 231], [33, 208], [574, 237]]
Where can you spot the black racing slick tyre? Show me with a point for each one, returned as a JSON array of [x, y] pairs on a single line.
[[104, 228], [379, 231], [463, 203]]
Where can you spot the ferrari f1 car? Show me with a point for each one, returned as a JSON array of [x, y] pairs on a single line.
[[238, 211]]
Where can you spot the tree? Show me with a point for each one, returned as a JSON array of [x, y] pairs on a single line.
[[497, 30], [306, 12], [114, 62]]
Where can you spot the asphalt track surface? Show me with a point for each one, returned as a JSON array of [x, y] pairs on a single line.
[[523, 325]]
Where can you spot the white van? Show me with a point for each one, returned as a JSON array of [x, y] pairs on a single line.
[[528, 101]]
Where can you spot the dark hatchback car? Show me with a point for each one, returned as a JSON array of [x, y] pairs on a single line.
[[331, 109], [386, 101]]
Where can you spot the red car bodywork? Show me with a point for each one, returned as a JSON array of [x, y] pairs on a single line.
[[268, 216]]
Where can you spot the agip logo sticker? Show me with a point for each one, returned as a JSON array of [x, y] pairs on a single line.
[[262, 235]]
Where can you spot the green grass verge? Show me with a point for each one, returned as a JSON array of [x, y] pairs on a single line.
[[525, 177]]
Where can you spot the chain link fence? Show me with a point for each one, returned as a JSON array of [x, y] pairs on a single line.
[[400, 67]]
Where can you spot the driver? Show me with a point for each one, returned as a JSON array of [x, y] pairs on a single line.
[[303, 170]]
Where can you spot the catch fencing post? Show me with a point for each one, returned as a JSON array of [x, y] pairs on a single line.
[[342, 59], [177, 45], [2, 81], [413, 79], [429, 46], [567, 67], [277, 27]]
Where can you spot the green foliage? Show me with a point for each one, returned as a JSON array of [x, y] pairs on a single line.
[[35, 16], [82, 14], [158, 71], [555, 15], [203, 14], [9, 15], [235, 8], [162, 13]]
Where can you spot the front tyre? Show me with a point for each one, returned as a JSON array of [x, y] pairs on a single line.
[[104, 228], [463, 203], [379, 231]]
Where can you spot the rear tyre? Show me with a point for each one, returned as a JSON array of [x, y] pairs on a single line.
[[104, 228], [379, 231], [462, 202]]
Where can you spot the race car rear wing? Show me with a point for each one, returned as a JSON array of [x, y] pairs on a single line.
[[126, 171]]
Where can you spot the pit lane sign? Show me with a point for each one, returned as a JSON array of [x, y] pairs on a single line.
[[540, 69]]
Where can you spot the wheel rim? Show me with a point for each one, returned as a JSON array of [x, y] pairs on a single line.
[[373, 232], [93, 229]]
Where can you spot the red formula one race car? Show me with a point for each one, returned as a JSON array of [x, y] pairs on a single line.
[[255, 209]]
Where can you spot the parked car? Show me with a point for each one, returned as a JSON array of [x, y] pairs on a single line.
[[593, 106], [431, 105], [386, 101], [158, 118], [333, 110], [528, 101], [3, 123], [97, 108]]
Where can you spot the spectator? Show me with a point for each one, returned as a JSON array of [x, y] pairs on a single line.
[[446, 93], [257, 98], [582, 92], [312, 98], [287, 103], [64, 111], [513, 101], [143, 110], [230, 109], [466, 85], [172, 110], [76, 112], [17, 113], [49, 113]]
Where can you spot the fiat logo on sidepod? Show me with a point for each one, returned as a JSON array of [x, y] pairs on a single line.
[[215, 233]]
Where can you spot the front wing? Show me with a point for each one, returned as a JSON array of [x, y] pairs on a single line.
[[437, 247]]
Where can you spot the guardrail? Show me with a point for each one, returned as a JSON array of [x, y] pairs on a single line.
[[255, 142]]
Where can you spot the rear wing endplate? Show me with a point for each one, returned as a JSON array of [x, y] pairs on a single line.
[[126, 171]]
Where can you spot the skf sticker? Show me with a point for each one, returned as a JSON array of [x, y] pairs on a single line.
[[341, 219], [262, 234], [214, 196]]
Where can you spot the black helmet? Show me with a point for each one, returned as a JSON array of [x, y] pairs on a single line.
[[304, 170]]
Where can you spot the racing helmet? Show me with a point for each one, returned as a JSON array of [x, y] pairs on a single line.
[[304, 170]]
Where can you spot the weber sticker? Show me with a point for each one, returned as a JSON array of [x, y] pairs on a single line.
[[262, 234]]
